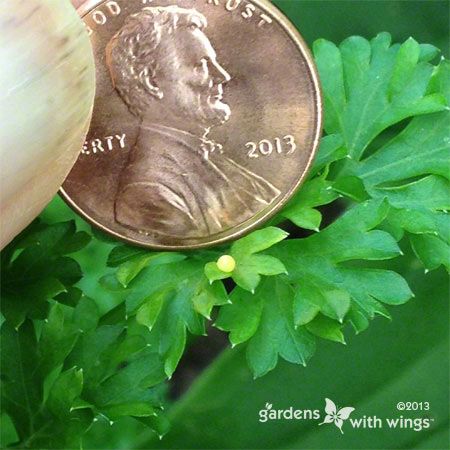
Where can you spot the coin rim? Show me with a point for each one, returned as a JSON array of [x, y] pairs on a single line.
[[300, 43]]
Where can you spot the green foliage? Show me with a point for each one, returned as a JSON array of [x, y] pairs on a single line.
[[64, 376], [266, 321], [412, 169], [168, 299], [387, 363], [35, 268], [317, 192], [291, 291], [250, 267], [61, 368], [318, 290], [384, 159], [369, 86]]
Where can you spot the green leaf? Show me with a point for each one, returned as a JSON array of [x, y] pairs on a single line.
[[159, 424], [273, 320], [246, 278], [411, 170], [314, 193], [34, 269], [21, 392], [210, 296], [257, 241], [329, 64], [149, 311], [131, 384], [356, 375], [325, 285], [326, 328], [331, 149], [266, 321], [380, 284], [428, 52], [60, 238], [174, 353], [124, 253], [94, 359], [18, 303], [58, 337], [111, 283], [186, 297], [135, 409], [86, 314], [213, 273], [419, 210], [65, 390], [350, 237], [70, 297], [406, 62], [307, 218], [131, 268], [432, 251], [249, 266], [421, 149], [265, 265], [370, 86], [358, 319], [311, 299], [426, 193], [120, 371], [352, 187]]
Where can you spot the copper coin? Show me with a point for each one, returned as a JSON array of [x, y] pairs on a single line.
[[206, 119]]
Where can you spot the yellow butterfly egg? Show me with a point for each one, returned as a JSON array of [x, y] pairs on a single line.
[[226, 263]]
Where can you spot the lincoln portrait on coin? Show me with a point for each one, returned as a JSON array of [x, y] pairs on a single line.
[[178, 182]]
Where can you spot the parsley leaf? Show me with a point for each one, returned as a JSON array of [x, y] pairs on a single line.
[[266, 321], [249, 266], [65, 367], [318, 292], [167, 297], [35, 269], [370, 86]]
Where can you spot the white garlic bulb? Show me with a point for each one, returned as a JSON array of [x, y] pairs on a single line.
[[46, 95]]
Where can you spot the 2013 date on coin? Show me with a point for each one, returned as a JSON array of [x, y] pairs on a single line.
[[266, 147]]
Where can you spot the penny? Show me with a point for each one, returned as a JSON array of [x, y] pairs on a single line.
[[206, 120]]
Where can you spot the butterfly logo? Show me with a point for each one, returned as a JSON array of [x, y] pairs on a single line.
[[336, 415]]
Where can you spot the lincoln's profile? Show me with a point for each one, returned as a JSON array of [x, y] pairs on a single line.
[[177, 182]]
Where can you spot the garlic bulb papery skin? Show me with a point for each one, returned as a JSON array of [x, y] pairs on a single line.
[[47, 85]]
